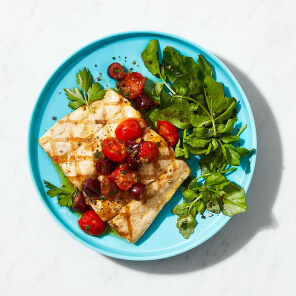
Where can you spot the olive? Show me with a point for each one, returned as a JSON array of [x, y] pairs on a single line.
[[132, 164], [79, 203], [91, 186], [105, 166], [137, 191], [143, 101]]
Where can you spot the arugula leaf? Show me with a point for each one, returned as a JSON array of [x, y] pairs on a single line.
[[229, 138], [157, 89], [233, 197], [230, 154], [150, 57], [180, 209], [204, 66], [186, 225], [65, 196], [214, 95], [176, 64], [243, 151]]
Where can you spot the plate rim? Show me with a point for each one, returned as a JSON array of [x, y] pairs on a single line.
[[38, 103]]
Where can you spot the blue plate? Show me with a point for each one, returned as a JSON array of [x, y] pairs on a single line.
[[162, 239]]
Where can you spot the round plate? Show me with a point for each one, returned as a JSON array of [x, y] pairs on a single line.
[[162, 238]]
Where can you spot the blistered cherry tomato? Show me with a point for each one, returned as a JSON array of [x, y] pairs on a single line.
[[137, 191], [131, 85], [79, 202], [91, 186], [143, 101], [147, 151], [168, 131], [108, 186], [114, 149], [116, 71], [105, 166], [128, 130], [124, 178], [91, 223]]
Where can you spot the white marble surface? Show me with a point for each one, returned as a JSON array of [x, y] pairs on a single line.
[[255, 253]]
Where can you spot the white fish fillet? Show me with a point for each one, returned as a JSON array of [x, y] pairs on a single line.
[[72, 142]]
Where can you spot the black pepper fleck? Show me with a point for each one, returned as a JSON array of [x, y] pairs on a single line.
[[54, 118], [203, 217]]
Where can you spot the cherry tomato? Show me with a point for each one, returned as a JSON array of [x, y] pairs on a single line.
[[137, 191], [116, 71], [91, 223], [168, 131], [131, 85], [114, 149], [143, 101], [108, 186], [79, 203], [147, 151], [128, 130], [124, 178]]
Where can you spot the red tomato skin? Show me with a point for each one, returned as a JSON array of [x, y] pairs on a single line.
[[124, 178], [114, 149], [168, 131], [108, 186], [116, 67], [131, 85], [129, 129], [147, 151], [91, 223]]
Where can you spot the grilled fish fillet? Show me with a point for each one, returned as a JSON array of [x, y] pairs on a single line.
[[134, 218], [72, 142]]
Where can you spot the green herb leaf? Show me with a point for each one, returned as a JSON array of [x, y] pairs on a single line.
[[234, 200], [180, 209], [95, 92], [65, 196], [204, 66], [214, 95], [150, 57], [186, 225], [84, 79], [177, 64]]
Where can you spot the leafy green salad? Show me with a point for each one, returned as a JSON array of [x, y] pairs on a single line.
[[189, 97]]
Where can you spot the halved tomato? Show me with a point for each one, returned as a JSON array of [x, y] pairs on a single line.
[[131, 85], [147, 151], [128, 130], [124, 178], [114, 149], [168, 131]]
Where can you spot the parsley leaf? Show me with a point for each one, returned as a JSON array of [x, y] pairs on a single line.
[[65, 195], [89, 91]]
